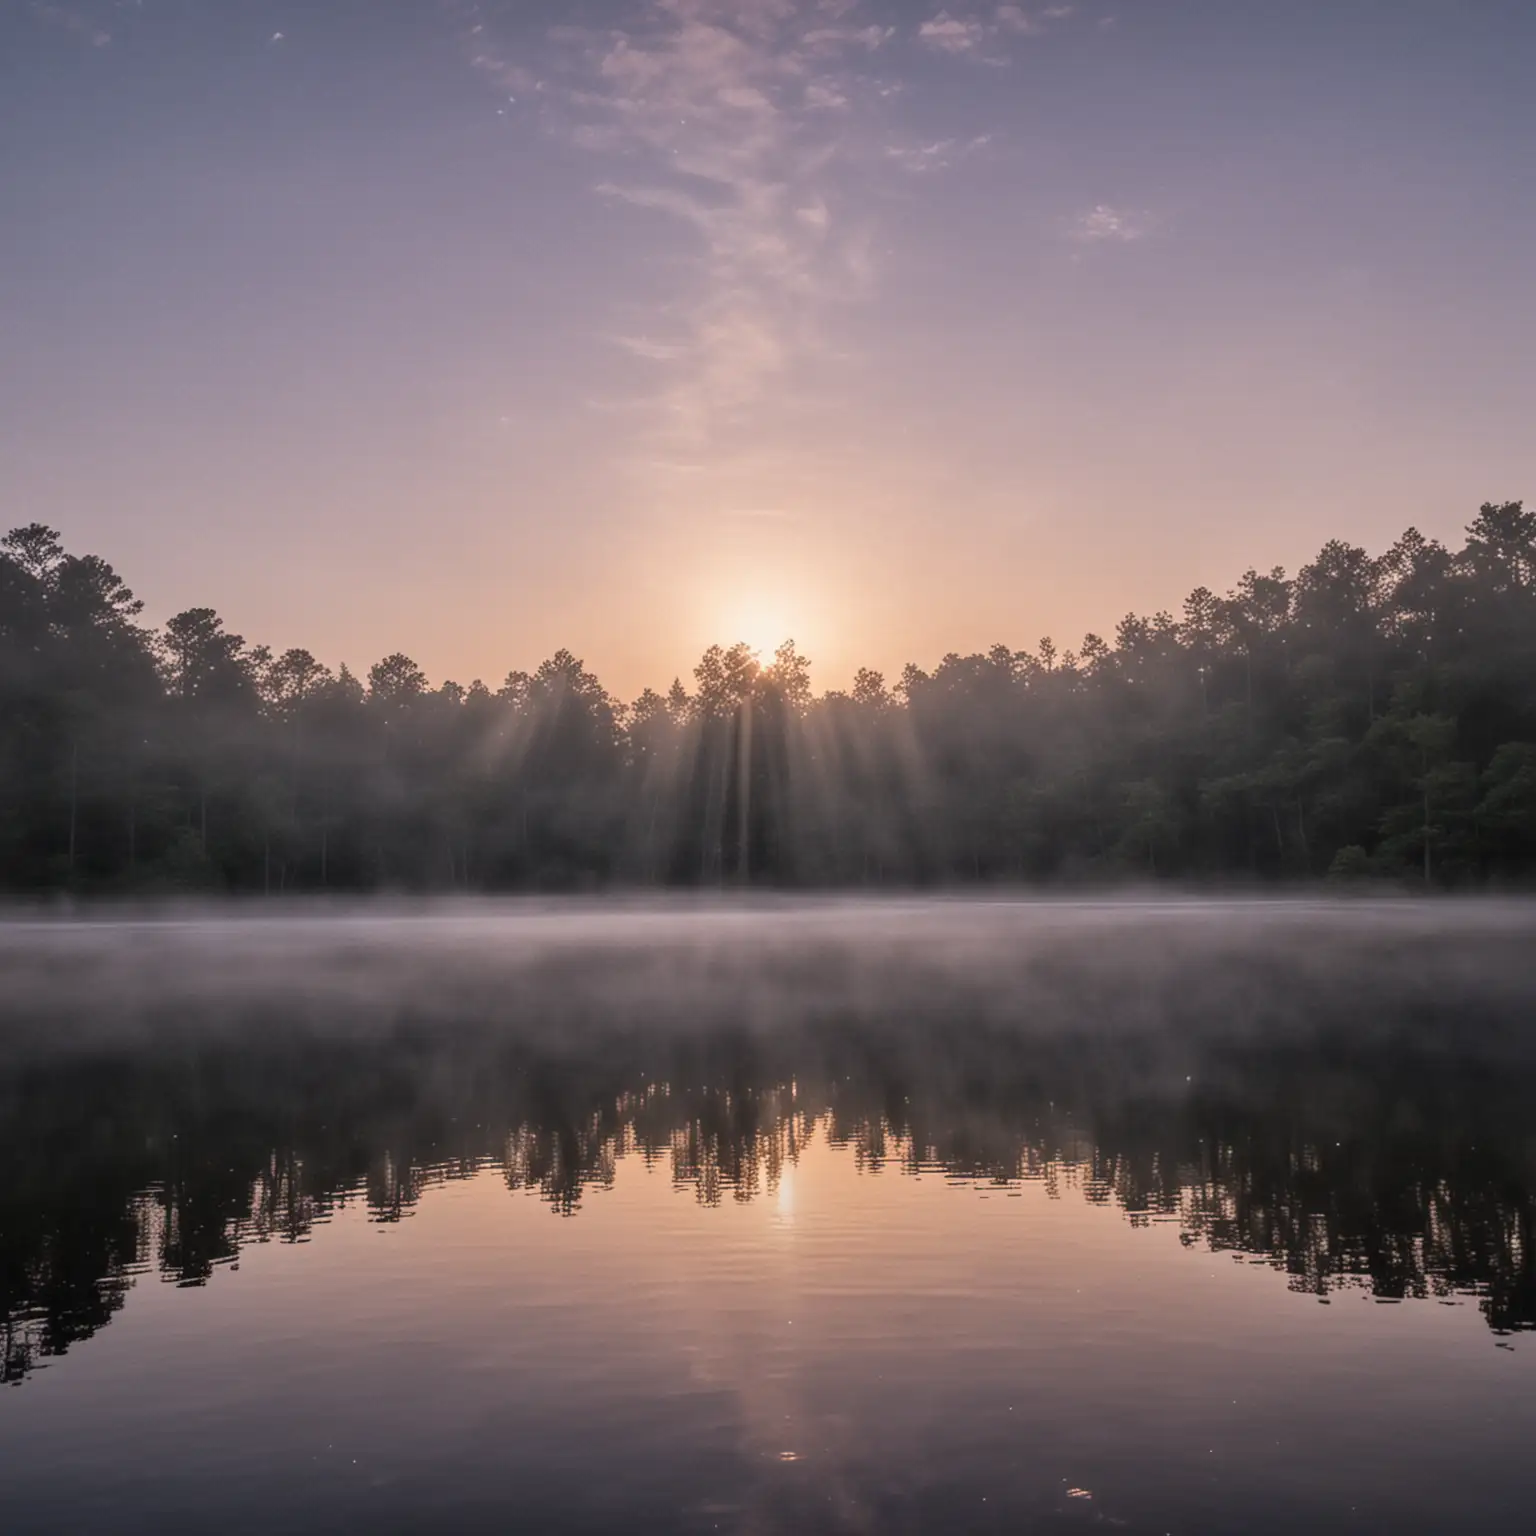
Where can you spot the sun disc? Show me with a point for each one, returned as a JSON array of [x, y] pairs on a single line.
[[761, 625]]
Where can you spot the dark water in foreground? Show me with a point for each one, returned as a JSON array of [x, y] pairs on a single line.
[[944, 1216]]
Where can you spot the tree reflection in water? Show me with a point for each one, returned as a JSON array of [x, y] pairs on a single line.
[[1359, 1120]]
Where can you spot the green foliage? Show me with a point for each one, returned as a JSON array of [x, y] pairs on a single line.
[[1350, 863], [1374, 716]]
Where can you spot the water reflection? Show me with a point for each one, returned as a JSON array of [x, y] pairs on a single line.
[[1333, 1094]]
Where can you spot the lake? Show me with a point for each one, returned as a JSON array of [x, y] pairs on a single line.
[[771, 1215]]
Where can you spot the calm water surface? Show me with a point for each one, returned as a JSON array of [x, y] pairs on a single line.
[[888, 1216]]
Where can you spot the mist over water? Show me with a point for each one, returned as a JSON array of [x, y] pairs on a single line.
[[686, 965], [900, 1214]]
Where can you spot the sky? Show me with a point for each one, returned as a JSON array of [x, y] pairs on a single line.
[[478, 328]]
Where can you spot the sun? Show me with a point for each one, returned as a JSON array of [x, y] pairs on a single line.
[[762, 623]]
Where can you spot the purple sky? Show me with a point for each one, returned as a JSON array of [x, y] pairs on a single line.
[[477, 329]]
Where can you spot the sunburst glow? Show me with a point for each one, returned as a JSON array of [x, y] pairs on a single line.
[[763, 622]]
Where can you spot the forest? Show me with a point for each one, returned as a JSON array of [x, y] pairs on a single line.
[[1371, 718]]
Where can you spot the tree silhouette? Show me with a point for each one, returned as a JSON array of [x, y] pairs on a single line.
[[1373, 714]]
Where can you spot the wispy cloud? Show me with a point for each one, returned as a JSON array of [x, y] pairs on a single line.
[[758, 128], [954, 34], [1103, 224], [977, 35], [937, 154], [825, 40], [737, 119]]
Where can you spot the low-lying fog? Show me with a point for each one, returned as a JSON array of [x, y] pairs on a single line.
[[547, 968], [1344, 1089]]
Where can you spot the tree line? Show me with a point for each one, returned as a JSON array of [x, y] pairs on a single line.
[[1371, 716]]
